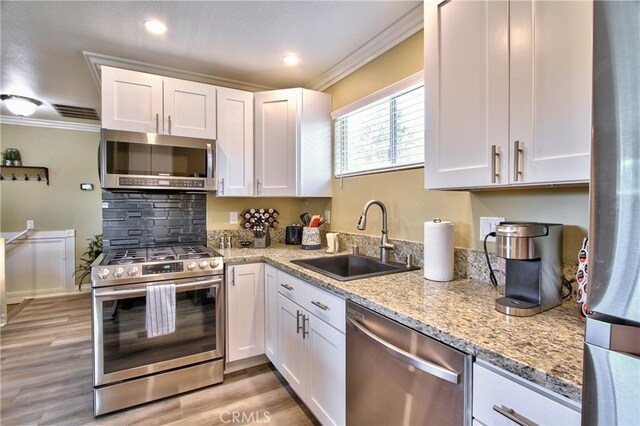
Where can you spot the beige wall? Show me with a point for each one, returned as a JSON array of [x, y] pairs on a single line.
[[218, 209], [409, 204], [71, 157]]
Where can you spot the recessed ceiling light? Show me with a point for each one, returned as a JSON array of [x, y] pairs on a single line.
[[155, 27], [290, 59]]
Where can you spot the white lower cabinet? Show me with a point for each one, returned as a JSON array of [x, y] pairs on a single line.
[[245, 311], [501, 398], [291, 344], [311, 352], [271, 314], [325, 376]]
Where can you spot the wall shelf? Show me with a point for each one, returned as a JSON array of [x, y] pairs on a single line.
[[24, 173]]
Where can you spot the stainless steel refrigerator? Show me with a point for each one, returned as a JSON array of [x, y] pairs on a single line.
[[611, 385]]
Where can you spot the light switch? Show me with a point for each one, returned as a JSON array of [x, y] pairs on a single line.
[[233, 218]]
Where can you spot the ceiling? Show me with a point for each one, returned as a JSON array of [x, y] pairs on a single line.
[[52, 50]]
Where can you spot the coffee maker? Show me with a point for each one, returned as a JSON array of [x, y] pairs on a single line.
[[533, 267]]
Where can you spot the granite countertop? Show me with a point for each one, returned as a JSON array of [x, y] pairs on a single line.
[[545, 349]]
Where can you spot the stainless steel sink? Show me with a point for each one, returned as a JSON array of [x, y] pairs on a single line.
[[349, 267]]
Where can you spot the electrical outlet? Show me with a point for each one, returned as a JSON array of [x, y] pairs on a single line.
[[31, 224], [233, 218], [327, 216], [487, 225]]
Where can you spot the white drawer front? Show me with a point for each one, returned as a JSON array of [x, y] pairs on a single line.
[[493, 389], [328, 307], [292, 288]]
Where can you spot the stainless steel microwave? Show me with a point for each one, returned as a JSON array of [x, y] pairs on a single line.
[[131, 160]]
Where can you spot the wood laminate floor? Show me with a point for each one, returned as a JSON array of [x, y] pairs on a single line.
[[46, 378]]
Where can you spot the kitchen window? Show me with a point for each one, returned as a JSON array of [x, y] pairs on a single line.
[[382, 132]]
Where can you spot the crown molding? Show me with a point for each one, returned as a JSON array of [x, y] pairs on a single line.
[[50, 124], [402, 29], [96, 60]]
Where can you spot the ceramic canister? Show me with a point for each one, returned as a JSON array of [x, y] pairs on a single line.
[[310, 238]]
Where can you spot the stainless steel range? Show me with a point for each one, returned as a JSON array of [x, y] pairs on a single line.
[[129, 367]]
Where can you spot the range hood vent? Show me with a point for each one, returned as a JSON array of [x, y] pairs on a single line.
[[70, 111]]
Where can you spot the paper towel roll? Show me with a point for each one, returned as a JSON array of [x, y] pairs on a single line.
[[438, 250]]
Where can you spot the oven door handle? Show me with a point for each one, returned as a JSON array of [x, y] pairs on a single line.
[[142, 291]]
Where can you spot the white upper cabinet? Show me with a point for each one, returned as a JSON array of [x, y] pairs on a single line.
[[235, 143], [508, 93], [189, 109], [550, 98], [292, 143], [466, 91], [141, 102], [131, 101]]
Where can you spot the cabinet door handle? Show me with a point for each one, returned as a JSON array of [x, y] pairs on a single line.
[[298, 326], [320, 305], [305, 321], [258, 185], [233, 276], [518, 149], [222, 186], [495, 164], [287, 286], [514, 416], [157, 123], [169, 124]]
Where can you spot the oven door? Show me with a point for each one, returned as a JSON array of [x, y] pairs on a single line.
[[121, 348]]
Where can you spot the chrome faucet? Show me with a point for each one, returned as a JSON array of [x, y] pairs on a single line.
[[385, 247]]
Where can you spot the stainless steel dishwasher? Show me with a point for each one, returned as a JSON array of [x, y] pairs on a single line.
[[397, 376]]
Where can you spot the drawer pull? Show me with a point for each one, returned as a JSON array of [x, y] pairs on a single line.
[[513, 416], [320, 305], [287, 286]]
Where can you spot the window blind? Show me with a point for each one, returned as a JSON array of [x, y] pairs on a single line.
[[385, 134]]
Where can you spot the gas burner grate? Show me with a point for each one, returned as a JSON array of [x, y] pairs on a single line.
[[161, 253]]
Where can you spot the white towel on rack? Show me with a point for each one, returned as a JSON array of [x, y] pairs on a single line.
[[161, 309]]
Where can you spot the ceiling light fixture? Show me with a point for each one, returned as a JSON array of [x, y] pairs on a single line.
[[21, 105], [290, 59], [155, 27]]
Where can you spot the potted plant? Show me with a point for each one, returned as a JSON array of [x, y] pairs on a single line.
[[88, 257], [11, 157]]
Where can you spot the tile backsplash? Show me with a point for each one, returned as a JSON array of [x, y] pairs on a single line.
[[137, 219]]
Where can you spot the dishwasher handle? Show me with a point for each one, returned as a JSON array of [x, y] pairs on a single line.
[[404, 356]]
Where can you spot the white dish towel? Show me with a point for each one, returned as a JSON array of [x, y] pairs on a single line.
[[161, 309]]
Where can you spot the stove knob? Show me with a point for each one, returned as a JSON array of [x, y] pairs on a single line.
[[118, 272], [203, 264], [103, 273], [215, 263], [132, 271], [191, 266]]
